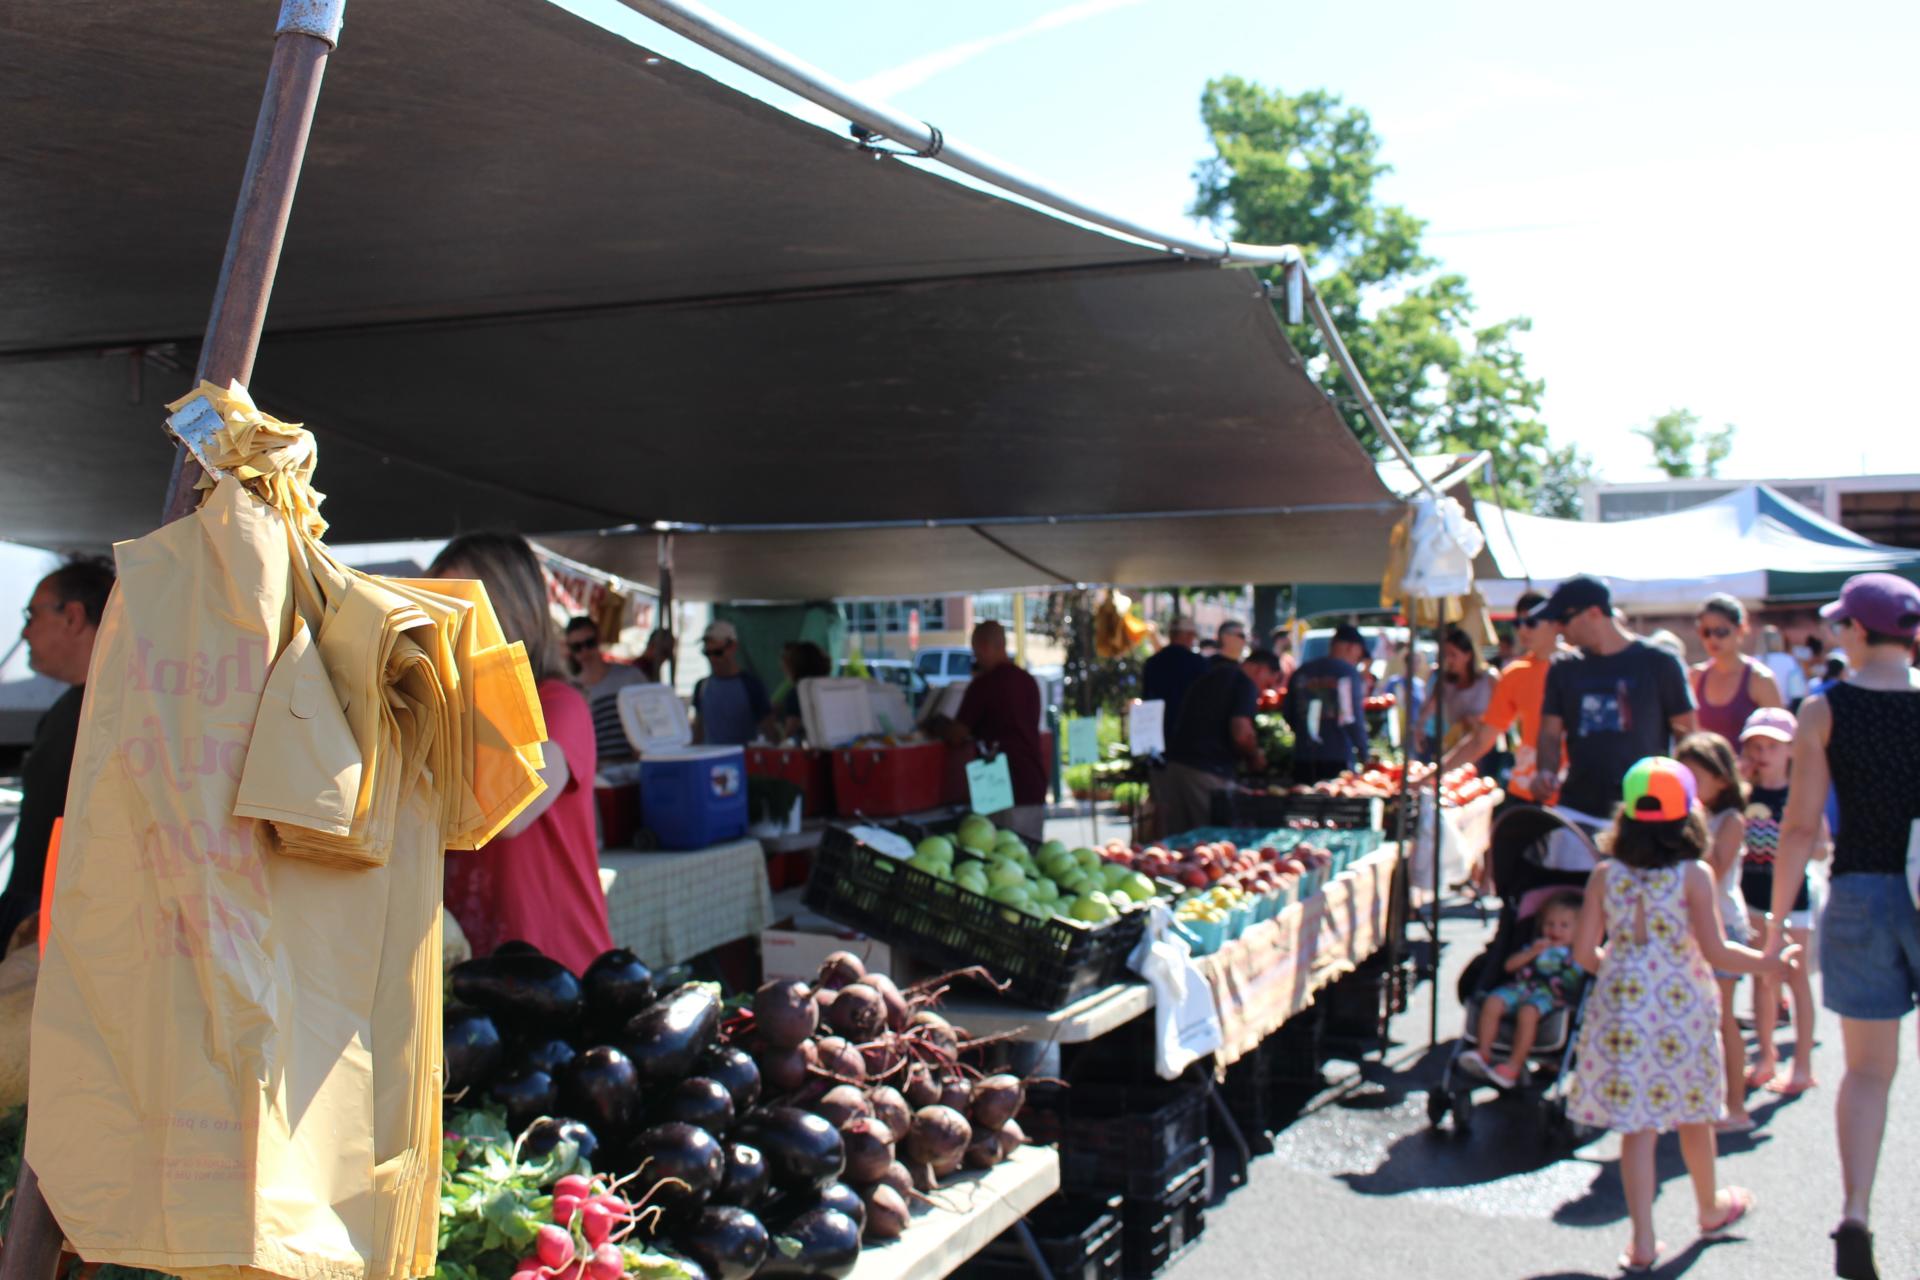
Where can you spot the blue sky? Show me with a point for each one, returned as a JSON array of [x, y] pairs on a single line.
[[1699, 204]]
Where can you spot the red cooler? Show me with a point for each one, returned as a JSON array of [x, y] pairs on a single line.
[[811, 771], [884, 782]]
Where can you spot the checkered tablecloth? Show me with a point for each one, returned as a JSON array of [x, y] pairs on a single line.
[[670, 907]]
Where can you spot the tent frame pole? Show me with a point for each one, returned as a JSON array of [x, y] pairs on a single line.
[[305, 35]]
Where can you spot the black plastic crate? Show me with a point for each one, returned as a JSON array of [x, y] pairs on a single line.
[[1252, 1099], [1160, 1228], [1235, 808], [1079, 1236], [1295, 1053], [1046, 963], [1356, 1004], [1131, 1139]]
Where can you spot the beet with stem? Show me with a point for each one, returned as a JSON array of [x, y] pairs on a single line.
[[938, 1137], [869, 1146], [859, 1013], [838, 970], [890, 1109], [843, 1103], [887, 1214], [784, 1014]]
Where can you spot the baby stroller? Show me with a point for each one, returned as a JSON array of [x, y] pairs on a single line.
[[1534, 852]]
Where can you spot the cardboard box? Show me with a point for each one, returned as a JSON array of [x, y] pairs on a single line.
[[795, 948]]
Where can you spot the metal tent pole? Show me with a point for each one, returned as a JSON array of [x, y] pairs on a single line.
[[306, 33], [1439, 736]]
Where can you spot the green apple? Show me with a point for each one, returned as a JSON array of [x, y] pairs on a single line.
[[1087, 858], [1013, 895], [1113, 875], [972, 879], [934, 847], [1045, 891], [932, 866], [1138, 887], [1091, 907], [1050, 849], [977, 833], [1058, 866], [1006, 873]]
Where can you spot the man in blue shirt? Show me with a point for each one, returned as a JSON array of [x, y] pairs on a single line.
[[1167, 674], [729, 704], [1325, 707]]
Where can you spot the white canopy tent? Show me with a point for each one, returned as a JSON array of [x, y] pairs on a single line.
[[1753, 543]]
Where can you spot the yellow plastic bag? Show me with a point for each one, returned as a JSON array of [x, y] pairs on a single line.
[[236, 1042]]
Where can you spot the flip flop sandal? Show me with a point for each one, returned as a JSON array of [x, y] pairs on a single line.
[[1740, 1203], [1730, 1126], [1790, 1088], [1758, 1079], [1629, 1266]]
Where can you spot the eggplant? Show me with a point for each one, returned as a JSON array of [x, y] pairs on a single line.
[[682, 1151], [616, 986], [729, 1243], [548, 1056], [517, 947], [698, 1101], [824, 1243], [527, 990], [527, 1096], [601, 1087], [473, 1049], [844, 1199], [735, 1069], [745, 1182], [804, 1153], [546, 1133], [666, 1039]]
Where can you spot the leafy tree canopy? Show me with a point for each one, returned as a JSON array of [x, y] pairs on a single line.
[[1682, 449], [1303, 169]]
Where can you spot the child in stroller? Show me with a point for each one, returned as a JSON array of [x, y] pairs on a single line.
[[1531, 867], [1542, 980]]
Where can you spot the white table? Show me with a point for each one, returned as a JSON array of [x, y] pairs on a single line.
[[670, 907], [982, 1205], [1088, 1018]]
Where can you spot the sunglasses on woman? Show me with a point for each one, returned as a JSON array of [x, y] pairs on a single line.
[[1715, 633]]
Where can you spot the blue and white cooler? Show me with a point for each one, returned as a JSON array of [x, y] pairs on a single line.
[[690, 797]]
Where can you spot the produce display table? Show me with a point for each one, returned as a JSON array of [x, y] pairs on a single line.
[[975, 1208], [1271, 972], [1088, 1018], [670, 907]]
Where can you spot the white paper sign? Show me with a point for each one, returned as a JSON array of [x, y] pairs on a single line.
[[1146, 728], [1083, 741]]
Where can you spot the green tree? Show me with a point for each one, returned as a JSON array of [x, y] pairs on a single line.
[[1303, 169], [1567, 471], [1681, 449]]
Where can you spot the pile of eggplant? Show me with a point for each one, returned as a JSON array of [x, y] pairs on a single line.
[[775, 1140]]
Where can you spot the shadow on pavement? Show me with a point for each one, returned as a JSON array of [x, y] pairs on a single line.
[[1671, 1264]]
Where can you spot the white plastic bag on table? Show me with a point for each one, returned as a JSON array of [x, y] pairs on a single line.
[[1185, 1025]]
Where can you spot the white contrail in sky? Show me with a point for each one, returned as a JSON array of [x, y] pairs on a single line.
[[911, 75]]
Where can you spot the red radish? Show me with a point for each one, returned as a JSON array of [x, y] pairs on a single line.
[[575, 1185], [596, 1223], [529, 1269], [564, 1207], [606, 1263], [554, 1245]]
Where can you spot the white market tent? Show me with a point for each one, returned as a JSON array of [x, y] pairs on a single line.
[[1754, 544]]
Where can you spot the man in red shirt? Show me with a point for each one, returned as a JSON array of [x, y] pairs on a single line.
[[1001, 710]]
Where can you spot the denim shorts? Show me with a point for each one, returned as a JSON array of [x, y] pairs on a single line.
[[1870, 948]]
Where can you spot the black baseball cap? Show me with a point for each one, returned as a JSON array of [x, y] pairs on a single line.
[[1575, 595], [1347, 633]]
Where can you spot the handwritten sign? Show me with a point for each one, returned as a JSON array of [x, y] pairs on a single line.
[[1083, 741], [1146, 728], [989, 785]]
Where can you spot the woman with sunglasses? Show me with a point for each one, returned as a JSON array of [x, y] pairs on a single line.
[[1862, 736], [1729, 686]]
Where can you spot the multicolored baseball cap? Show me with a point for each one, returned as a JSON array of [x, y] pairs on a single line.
[[1658, 789]]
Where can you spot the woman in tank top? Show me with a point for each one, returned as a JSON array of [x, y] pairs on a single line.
[[1729, 686], [1863, 736]]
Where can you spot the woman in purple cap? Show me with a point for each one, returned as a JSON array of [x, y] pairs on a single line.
[[1863, 736]]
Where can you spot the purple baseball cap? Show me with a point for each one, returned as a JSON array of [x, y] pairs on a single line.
[[1880, 602], [1777, 723]]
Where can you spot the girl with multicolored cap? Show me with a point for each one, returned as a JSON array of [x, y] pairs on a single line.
[[1650, 1054], [1862, 736]]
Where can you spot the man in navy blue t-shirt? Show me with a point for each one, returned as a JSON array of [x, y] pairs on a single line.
[[1168, 674]]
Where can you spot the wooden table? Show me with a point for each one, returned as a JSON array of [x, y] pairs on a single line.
[[984, 1204], [1088, 1018], [670, 907]]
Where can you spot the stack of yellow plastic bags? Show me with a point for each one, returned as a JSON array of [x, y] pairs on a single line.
[[236, 1039]]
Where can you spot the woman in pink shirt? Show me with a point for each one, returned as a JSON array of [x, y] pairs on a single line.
[[539, 880], [1729, 686]]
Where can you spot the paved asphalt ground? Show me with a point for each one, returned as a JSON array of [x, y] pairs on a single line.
[[1360, 1187]]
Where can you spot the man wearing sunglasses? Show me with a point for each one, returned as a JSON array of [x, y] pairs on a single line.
[[1516, 700], [1616, 701], [60, 622], [730, 703], [602, 681]]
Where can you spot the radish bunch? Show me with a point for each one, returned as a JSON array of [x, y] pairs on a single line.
[[590, 1219]]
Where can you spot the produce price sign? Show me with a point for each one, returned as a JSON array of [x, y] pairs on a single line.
[[989, 785], [1146, 728], [1083, 741]]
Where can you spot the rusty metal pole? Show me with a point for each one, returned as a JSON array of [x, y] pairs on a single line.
[[306, 34]]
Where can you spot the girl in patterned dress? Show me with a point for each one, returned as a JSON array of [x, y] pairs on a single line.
[[1650, 1055]]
